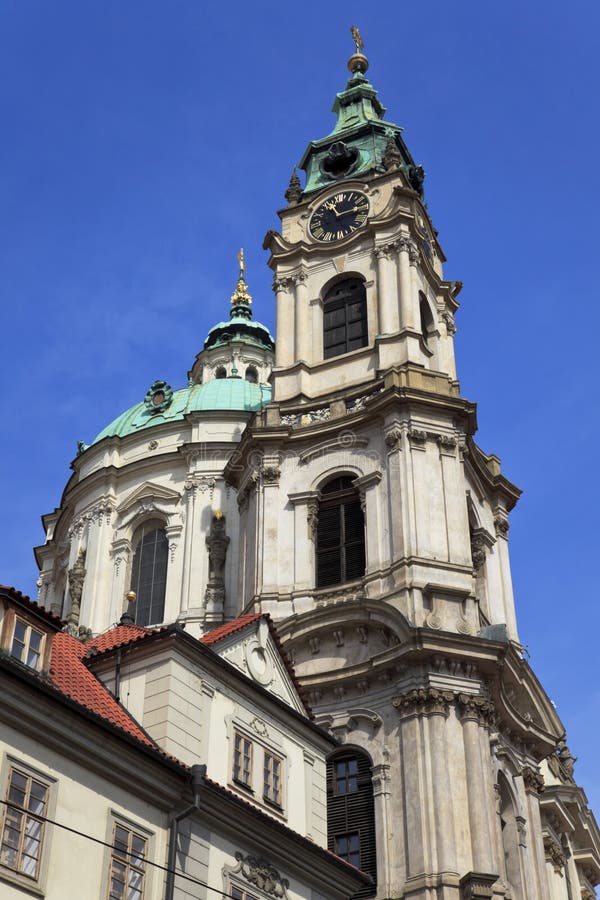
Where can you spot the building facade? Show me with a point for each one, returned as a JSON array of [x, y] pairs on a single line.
[[333, 481]]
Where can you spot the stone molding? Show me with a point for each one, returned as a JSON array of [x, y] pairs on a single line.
[[99, 513], [393, 438], [477, 886], [533, 780], [450, 323], [502, 525], [424, 701], [475, 708]]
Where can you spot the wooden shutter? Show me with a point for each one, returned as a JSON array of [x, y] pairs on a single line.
[[354, 812]]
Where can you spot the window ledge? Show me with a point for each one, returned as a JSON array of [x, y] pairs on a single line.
[[21, 881], [242, 784]]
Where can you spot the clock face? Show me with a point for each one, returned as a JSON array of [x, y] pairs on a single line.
[[339, 216]]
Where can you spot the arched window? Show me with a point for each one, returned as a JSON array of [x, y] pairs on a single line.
[[340, 533], [251, 374], [351, 814], [426, 317], [149, 572], [345, 318], [221, 372]]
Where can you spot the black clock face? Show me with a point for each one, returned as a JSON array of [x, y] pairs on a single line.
[[339, 216]]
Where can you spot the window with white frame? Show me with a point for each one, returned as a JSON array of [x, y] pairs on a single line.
[[242, 759], [23, 826], [27, 644], [272, 778], [239, 894], [258, 769], [127, 864]]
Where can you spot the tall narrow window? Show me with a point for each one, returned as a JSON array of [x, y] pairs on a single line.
[[426, 317], [272, 779], [242, 760], [23, 829], [127, 865], [351, 814], [345, 318], [149, 573], [340, 534]]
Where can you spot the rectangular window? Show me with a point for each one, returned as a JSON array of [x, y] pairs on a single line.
[[238, 894], [272, 779], [27, 644], [348, 847], [127, 864], [23, 827], [346, 776], [242, 760]]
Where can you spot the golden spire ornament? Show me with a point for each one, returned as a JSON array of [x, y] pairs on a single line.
[[358, 62], [241, 294]]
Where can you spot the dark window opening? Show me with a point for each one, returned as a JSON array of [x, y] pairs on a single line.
[[149, 574], [251, 375], [351, 813], [426, 317], [221, 372], [340, 534], [345, 318]]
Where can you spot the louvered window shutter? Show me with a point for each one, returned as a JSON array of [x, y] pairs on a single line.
[[351, 813]]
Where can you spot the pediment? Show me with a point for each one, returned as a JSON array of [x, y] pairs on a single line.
[[149, 491], [254, 652]]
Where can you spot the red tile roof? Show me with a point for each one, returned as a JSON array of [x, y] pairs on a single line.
[[116, 637], [69, 674], [223, 631], [23, 600]]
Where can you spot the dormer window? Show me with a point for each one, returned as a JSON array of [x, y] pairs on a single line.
[[27, 644], [221, 372]]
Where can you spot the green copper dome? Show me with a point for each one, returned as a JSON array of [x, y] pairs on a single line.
[[240, 328], [221, 394]]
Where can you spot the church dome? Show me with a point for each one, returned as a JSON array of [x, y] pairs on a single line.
[[220, 394], [240, 328]]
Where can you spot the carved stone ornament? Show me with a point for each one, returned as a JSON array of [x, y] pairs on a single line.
[[477, 550], [446, 442], [554, 853], [416, 176], [424, 701], [339, 160], [259, 872], [312, 516], [477, 886], [393, 437], [533, 780], [217, 543], [450, 323], [284, 285], [392, 158], [417, 436], [476, 708], [76, 577], [307, 418], [502, 525], [270, 474], [565, 758], [294, 190], [588, 894]]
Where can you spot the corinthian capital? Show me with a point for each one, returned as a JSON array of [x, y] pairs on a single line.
[[424, 701], [283, 285]]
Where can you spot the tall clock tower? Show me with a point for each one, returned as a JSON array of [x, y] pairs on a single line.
[[375, 531]]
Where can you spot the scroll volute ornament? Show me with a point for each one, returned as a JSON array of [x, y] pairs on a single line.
[[533, 780]]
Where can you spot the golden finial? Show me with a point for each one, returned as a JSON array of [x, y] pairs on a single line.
[[358, 41], [241, 295], [358, 62], [218, 512]]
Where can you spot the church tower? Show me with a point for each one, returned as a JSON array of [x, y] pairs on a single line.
[[374, 531]]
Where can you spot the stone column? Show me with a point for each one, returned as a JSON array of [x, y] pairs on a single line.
[[476, 712], [284, 354], [535, 865], [191, 489], [407, 319], [381, 801], [428, 820], [269, 523], [386, 296], [395, 513], [367, 488], [303, 319], [306, 517]]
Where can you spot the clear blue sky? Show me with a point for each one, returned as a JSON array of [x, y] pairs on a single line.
[[145, 141]]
